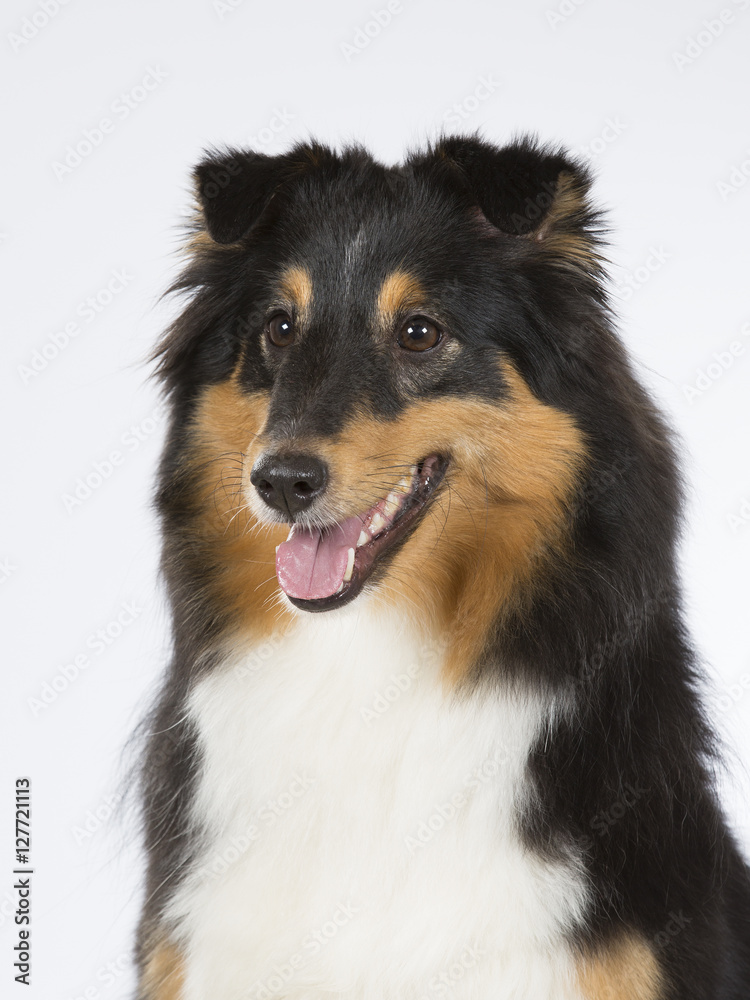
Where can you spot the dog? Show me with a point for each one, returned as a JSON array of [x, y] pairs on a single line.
[[432, 725]]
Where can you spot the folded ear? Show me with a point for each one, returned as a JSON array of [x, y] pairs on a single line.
[[234, 187], [526, 190]]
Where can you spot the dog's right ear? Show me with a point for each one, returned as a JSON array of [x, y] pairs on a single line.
[[234, 187]]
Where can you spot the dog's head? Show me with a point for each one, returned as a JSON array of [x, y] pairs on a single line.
[[390, 366]]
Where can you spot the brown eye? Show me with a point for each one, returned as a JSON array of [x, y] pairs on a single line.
[[280, 330], [418, 335]]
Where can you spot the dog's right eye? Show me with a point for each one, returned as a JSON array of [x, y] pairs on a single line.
[[280, 330]]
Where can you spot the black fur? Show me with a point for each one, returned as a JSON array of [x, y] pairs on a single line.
[[629, 779]]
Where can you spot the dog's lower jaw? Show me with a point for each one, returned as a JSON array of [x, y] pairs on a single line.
[[352, 810], [380, 532]]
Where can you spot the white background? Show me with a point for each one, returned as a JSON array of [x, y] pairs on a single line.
[[602, 77]]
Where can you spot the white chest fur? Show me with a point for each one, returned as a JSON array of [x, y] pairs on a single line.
[[360, 838]]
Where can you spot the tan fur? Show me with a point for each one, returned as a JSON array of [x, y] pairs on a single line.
[[478, 549], [226, 425], [296, 286], [399, 292], [163, 974], [627, 970], [559, 233], [202, 243]]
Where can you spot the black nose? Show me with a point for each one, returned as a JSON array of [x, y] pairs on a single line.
[[289, 484]]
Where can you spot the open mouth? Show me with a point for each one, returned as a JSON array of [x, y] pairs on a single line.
[[319, 569]]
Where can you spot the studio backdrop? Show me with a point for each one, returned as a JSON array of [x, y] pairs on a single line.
[[107, 109]]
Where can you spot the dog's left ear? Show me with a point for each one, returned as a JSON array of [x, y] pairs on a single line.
[[522, 189]]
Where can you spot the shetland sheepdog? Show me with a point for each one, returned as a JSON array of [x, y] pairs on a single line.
[[431, 727]]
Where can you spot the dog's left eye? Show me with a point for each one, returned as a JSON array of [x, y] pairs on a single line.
[[418, 334], [280, 330]]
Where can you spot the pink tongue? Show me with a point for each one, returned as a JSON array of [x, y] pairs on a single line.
[[311, 565]]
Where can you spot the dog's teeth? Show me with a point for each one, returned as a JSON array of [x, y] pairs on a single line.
[[278, 547], [377, 524], [404, 486], [349, 565], [363, 539], [291, 532], [392, 503]]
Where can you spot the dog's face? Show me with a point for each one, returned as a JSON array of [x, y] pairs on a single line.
[[354, 361]]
